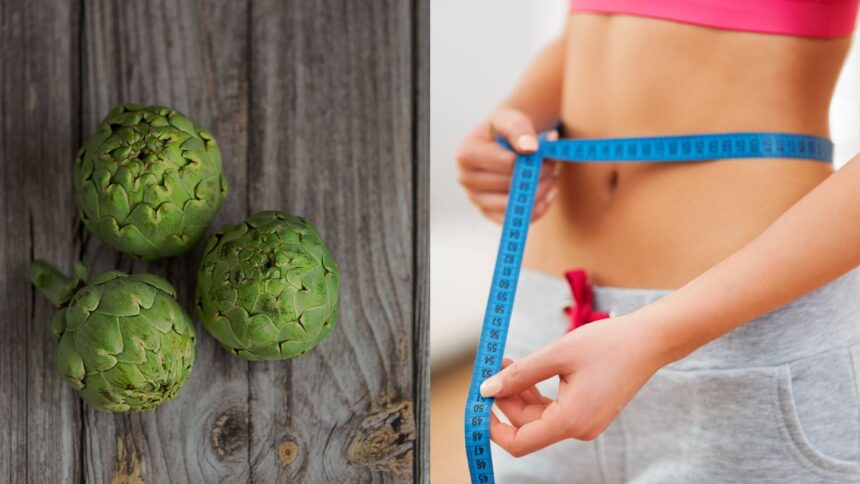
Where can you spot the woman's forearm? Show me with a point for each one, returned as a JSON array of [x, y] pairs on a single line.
[[538, 93], [812, 243]]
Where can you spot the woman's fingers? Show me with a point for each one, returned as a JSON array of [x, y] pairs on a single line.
[[547, 171], [493, 202], [530, 395], [535, 435], [518, 411], [498, 215], [486, 156], [543, 203], [517, 128], [484, 181], [492, 157], [497, 202], [521, 375], [486, 167], [495, 216]]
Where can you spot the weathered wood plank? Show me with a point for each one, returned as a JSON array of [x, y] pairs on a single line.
[[39, 103], [421, 159], [191, 55], [320, 110], [331, 85]]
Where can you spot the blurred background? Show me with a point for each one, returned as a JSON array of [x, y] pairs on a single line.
[[473, 66]]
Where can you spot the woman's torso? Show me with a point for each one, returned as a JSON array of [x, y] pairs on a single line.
[[656, 225]]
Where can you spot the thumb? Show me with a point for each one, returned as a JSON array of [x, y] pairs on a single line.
[[516, 128], [521, 375]]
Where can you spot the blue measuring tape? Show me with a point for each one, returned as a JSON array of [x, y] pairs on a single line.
[[518, 215]]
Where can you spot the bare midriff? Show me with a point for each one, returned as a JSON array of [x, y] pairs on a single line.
[[660, 225]]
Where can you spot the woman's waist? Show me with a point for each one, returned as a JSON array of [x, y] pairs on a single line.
[[636, 76], [652, 225]]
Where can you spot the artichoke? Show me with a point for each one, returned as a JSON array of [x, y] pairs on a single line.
[[149, 182], [124, 342], [268, 287]]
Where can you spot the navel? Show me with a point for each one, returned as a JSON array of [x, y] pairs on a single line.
[[613, 179]]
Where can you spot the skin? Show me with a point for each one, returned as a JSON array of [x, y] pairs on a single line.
[[713, 231]]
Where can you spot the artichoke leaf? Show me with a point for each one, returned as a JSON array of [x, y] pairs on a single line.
[[225, 298], [292, 331], [163, 313], [259, 330], [105, 277], [126, 299], [100, 394], [138, 337], [68, 362], [221, 326], [237, 317], [98, 341], [58, 324], [82, 306], [126, 378], [157, 282], [268, 351]]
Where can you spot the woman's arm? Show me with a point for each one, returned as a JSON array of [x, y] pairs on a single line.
[[485, 167], [812, 243], [601, 366]]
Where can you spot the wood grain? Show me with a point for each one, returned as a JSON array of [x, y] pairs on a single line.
[[191, 56], [39, 102], [319, 110], [342, 157], [421, 238]]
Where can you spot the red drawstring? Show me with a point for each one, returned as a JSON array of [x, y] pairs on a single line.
[[581, 312]]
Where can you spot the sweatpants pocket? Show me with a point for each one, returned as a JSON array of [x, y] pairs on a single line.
[[755, 425], [820, 409]]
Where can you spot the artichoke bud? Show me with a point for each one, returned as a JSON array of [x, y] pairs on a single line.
[[123, 341], [268, 287], [142, 182]]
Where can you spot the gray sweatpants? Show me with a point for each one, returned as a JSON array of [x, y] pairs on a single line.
[[775, 400]]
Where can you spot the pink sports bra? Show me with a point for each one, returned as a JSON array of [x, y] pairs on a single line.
[[801, 18]]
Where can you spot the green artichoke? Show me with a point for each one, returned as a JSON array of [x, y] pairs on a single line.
[[149, 181], [268, 287], [124, 342]]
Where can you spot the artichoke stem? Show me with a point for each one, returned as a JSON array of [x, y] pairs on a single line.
[[57, 287]]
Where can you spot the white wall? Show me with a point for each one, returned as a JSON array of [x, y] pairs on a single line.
[[478, 50], [845, 110]]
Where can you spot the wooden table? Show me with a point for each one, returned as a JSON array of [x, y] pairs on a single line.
[[320, 109]]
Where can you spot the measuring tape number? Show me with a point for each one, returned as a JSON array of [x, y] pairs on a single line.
[[527, 168]]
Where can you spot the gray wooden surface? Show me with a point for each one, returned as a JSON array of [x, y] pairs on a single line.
[[320, 108]]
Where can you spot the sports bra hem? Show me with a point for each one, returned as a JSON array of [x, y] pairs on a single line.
[[796, 18]]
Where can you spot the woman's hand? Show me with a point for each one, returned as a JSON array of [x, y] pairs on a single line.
[[600, 367], [486, 167]]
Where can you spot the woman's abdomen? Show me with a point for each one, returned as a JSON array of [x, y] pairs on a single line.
[[658, 226]]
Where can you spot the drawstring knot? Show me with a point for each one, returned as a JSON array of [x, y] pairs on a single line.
[[581, 312]]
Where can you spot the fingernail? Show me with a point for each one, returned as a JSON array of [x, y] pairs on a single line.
[[490, 387], [553, 192], [527, 142]]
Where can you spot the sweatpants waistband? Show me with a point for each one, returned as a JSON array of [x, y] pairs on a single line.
[[825, 319]]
